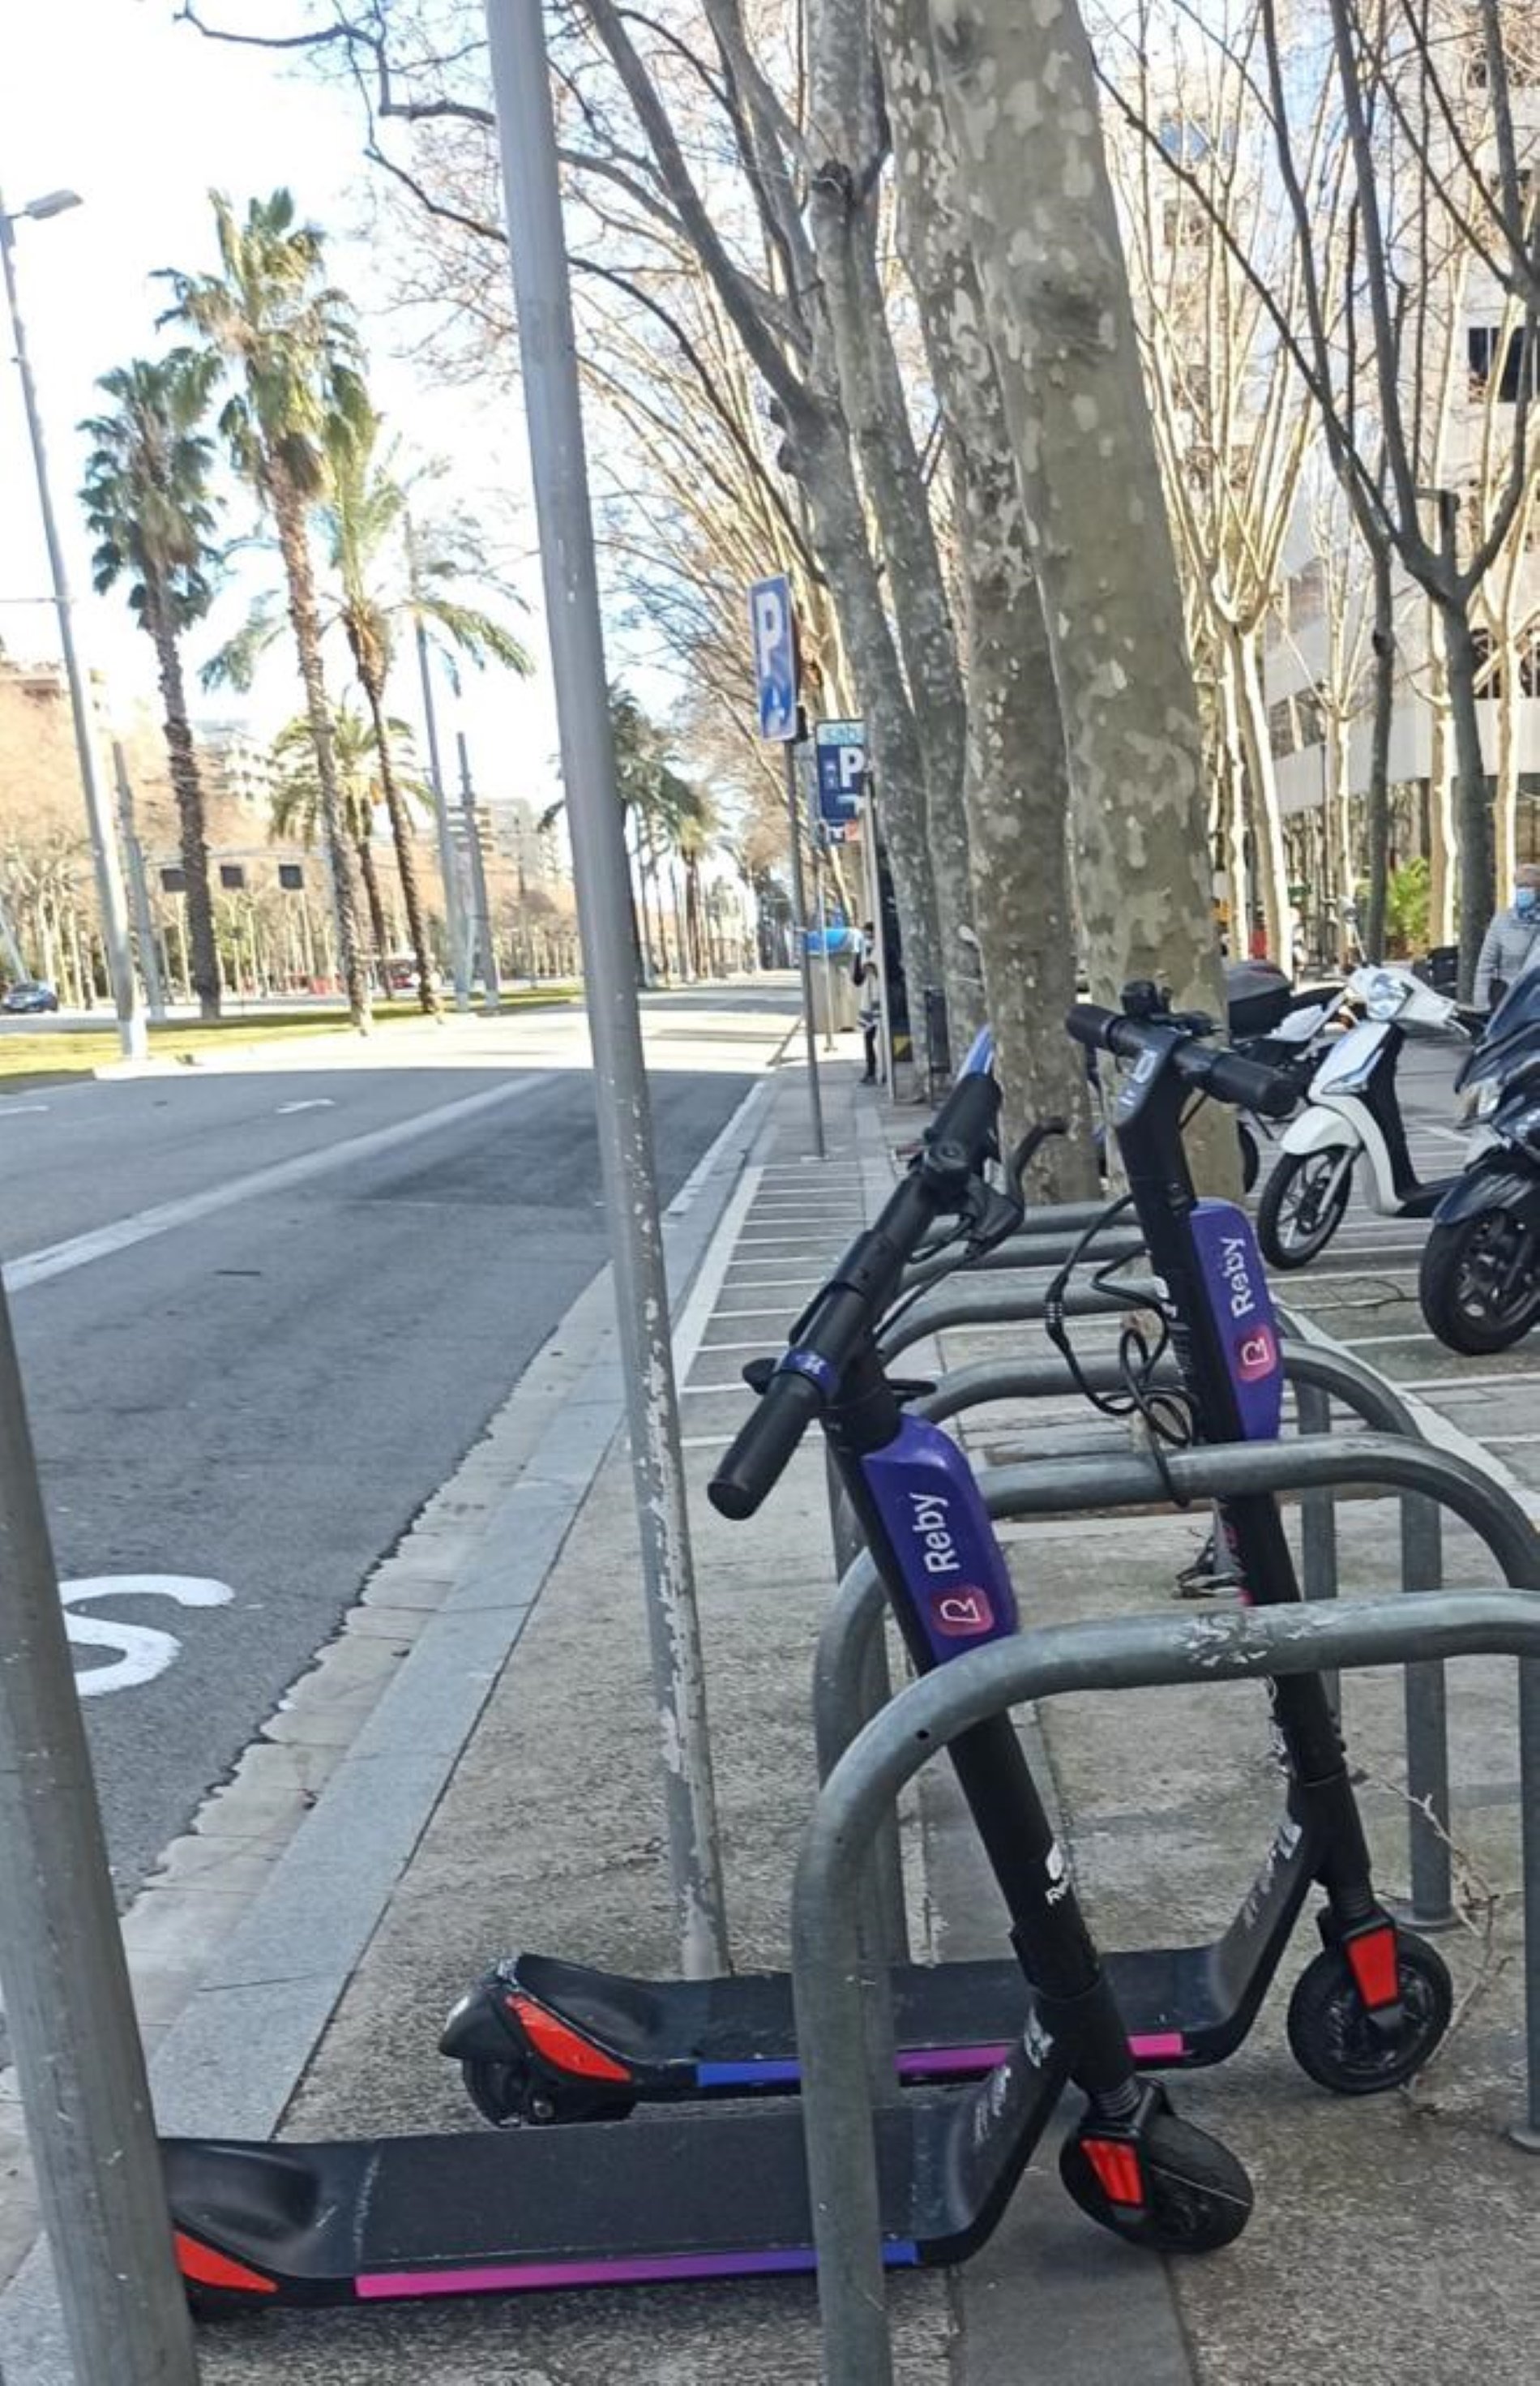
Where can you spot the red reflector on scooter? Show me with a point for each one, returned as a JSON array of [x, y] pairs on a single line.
[[1376, 1972], [1116, 2164], [563, 2048], [206, 2269]]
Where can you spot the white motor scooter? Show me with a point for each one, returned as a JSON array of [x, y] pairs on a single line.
[[1352, 1114]]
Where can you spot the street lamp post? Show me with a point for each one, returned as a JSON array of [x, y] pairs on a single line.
[[109, 882]]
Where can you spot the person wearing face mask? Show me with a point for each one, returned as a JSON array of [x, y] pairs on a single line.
[[1511, 944]]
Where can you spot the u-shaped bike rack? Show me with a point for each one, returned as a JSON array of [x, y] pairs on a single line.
[[1134, 1652]]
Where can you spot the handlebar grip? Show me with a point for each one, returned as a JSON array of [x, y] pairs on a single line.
[[966, 1119], [1090, 1023], [1249, 1085], [759, 1452]]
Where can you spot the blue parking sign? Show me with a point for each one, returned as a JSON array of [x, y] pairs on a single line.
[[841, 750], [772, 625]]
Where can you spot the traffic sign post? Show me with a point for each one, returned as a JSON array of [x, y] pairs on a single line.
[[772, 627]]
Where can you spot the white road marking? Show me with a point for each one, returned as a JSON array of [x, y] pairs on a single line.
[[59, 1258], [21, 1110], [144, 1654], [319, 1102]]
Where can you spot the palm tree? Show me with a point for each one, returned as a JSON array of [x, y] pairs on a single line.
[[147, 503], [287, 343], [370, 539], [297, 804]]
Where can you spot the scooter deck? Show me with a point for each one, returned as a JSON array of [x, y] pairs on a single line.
[[735, 2036], [684, 2195]]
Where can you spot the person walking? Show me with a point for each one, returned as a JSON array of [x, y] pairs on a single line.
[[1511, 944], [864, 975]]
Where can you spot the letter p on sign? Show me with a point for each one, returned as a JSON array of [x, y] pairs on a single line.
[[774, 638]]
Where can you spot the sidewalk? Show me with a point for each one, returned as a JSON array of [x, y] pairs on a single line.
[[1393, 2241]]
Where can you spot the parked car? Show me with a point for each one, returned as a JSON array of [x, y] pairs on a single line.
[[401, 975], [30, 994]]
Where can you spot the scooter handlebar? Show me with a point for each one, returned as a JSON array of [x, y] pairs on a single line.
[[753, 1466], [1248, 1084]]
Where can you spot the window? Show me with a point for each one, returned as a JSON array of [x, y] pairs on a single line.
[[1281, 729], [1516, 365], [1307, 595], [1311, 715], [1186, 143], [1187, 224]]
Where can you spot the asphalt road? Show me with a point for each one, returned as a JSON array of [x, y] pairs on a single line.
[[263, 1314]]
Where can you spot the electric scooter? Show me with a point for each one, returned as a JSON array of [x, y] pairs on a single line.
[[720, 2191], [1480, 1279], [1353, 1114], [540, 2039]]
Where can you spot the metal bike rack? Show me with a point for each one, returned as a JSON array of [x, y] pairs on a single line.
[[1319, 1375], [997, 1305], [1211, 1471], [1048, 1244], [1134, 1652]]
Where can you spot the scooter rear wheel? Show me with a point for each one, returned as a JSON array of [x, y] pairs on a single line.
[[1197, 2197], [1301, 1206], [1337, 2041], [518, 2095]]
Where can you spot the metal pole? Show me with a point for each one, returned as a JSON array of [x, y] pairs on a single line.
[[481, 908], [874, 913], [820, 899], [109, 883], [448, 870], [799, 930], [543, 308], [133, 853], [69, 2011]]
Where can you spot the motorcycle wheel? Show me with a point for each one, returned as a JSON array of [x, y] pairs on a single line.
[[1300, 1208], [1480, 1283]]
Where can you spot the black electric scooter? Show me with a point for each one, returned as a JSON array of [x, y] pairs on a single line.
[[713, 2191], [541, 2040]]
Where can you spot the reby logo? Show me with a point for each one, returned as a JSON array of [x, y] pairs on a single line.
[[1256, 1354], [960, 1615]]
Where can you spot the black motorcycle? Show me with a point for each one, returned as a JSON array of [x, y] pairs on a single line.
[[1480, 1280]]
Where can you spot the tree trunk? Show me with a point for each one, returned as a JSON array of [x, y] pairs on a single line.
[[1015, 787], [1472, 799], [1339, 823], [845, 141], [1441, 819], [380, 934], [1237, 864], [288, 515], [191, 836], [401, 837], [1267, 820], [820, 455], [1505, 807], [1061, 325], [1376, 823]]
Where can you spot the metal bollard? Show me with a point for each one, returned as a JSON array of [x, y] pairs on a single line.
[[1134, 1652]]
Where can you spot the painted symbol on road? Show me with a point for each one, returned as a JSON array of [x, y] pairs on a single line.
[[143, 1652], [320, 1102]]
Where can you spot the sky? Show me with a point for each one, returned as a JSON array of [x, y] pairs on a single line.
[[143, 116]]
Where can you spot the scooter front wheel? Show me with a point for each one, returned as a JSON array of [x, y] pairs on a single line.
[[1337, 2041], [1480, 1282], [1303, 1204], [1175, 2190]]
